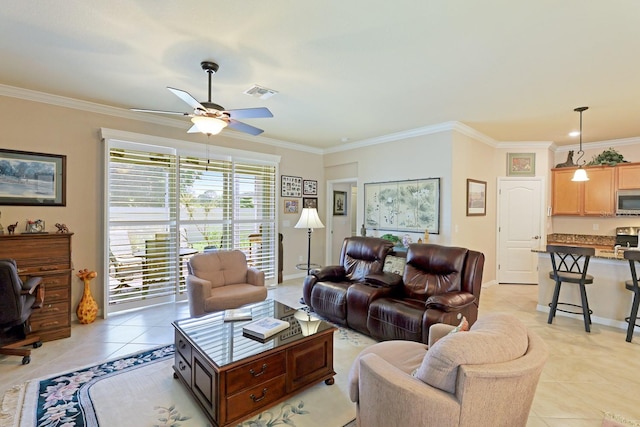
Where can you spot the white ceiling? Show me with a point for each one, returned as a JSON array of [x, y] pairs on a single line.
[[357, 69]]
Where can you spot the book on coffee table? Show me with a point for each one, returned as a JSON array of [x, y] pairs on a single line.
[[265, 328], [237, 314]]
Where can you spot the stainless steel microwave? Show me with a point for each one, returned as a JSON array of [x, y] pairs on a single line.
[[628, 202]]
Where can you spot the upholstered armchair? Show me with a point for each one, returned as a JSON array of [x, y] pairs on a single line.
[[325, 290], [484, 377], [439, 283], [222, 280]]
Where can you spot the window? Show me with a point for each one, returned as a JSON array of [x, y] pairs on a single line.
[[165, 204]]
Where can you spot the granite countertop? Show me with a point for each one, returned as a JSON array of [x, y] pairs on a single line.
[[604, 245]]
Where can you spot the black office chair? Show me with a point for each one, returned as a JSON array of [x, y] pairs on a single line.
[[632, 285], [570, 264], [17, 299]]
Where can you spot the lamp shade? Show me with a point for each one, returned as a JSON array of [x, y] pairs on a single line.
[[580, 175], [209, 125], [308, 324], [309, 219]]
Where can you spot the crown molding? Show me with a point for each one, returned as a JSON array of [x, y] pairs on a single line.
[[93, 107], [600, 144]]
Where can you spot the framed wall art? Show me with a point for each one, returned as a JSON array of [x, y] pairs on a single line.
[[339, 203], [412, 205], [476, 197], [28, 179], [310, 202], [309, 187], [290, 186], [521, 164], [291, 206]]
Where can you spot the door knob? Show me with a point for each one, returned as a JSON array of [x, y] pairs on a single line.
[[536, 237]]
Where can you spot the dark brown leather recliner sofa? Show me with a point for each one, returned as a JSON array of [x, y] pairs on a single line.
[[438, 284]]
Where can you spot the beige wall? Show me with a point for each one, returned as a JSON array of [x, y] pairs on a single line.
[[45, 128]]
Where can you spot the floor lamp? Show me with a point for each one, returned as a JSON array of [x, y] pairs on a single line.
[[309, 220]]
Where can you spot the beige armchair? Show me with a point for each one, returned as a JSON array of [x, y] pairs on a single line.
[[484, 377], [221, 280]]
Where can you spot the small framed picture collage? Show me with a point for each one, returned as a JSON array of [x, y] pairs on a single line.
[[293, 188]]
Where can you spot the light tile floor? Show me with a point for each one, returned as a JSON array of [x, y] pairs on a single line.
[[585, 375]]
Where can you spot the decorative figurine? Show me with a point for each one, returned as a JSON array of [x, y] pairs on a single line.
[[87, 310], [363, 231], [11, 228], [62, 228], [568, 162]]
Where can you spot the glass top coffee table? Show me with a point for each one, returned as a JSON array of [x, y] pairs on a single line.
[[233, 376]]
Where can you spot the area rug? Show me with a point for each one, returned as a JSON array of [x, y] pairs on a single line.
[[140, 390]]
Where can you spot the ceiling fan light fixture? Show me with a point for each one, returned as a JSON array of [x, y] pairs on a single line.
[[209, 125]]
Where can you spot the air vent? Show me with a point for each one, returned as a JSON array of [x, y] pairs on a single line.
[[260, 92]]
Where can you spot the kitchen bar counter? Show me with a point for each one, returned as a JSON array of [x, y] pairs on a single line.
[[608, 297]]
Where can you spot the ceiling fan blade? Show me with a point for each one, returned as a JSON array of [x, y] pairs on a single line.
[[193, 129], [243, 127], [142, 110], [186, 97], [250, 113]]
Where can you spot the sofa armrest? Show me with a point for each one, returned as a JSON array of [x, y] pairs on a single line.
[[255, 277], [383, 279], [198, 290], [332, 273], [385, 392], [451, 301], [437, 331]]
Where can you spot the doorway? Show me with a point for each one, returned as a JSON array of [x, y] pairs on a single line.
[[520, 225], [340, 226]]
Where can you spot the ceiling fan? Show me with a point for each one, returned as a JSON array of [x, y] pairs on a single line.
[[210, 118]]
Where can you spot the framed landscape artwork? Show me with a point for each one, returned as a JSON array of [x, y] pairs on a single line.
[[310, 202], [521, 164], [412, 205], [28, 179], [476, 197]]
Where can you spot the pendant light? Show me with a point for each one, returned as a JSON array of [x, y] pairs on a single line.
[[580, 174]]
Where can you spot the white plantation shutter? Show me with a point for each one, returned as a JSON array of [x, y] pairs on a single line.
[[163, 206]]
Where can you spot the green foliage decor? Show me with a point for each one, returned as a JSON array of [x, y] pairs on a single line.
[[608, 157]]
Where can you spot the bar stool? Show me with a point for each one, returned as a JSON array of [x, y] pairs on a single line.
[[570, 264], [632, 285]]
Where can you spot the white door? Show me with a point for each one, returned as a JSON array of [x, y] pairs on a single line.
[[519, 229]]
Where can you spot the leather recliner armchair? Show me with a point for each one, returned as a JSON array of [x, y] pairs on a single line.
[[325, 291], [439, 284]]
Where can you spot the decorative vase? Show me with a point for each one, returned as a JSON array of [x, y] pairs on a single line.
[[87, 310]]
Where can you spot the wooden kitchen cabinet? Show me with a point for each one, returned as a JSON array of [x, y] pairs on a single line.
[[628, 176], [595, 197]]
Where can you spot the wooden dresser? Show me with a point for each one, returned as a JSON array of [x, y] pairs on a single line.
[[47, 256]]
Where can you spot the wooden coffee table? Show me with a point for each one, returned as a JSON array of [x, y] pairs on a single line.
[[234, 377]]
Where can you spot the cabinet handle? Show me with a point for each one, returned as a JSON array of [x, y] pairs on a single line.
[[253, 373], [48, 268], [182, 366], [43, 325], [258, 399], [182, 344]]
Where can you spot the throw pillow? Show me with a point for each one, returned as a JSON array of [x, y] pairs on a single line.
[[394, 264], [462, 326]]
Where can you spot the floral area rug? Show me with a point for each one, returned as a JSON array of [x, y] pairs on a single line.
[[140, 390]]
